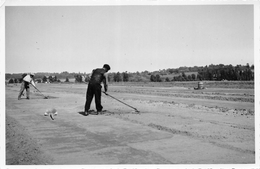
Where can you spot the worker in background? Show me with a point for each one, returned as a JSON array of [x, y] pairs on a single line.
[[94, 88], [26, 81]]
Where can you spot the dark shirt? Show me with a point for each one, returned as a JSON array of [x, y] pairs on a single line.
[[97, 76]]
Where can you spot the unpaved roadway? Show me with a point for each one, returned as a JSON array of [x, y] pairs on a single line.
[[175, 126]]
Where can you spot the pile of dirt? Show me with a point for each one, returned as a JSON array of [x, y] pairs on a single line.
[[21, 149]]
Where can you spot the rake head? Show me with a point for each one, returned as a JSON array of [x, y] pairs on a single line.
[[122, 102], [136, 111]]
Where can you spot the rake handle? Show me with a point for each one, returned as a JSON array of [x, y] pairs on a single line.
[[120, 101], [38, 90]]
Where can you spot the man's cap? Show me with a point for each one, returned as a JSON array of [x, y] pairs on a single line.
[[106, 66], [32, 74]]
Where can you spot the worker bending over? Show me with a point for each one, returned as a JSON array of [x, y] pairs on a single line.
[[26, 81], [94, 88]]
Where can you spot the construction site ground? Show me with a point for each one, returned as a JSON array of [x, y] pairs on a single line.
[[176, 125]]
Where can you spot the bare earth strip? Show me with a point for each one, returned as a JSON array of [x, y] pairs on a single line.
[[168, 129]]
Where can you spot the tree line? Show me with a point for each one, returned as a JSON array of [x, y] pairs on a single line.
[[212, 72]]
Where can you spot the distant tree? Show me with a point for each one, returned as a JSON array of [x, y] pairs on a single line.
[[199, 77], [158, 78], [109, 77], [67, 79], [177, 71], [152, 78], [247, 65], [170, 71], [138, 78], [55, 79], [8, 76], [249, 74], [125, 77], [11, 81], [50, 79], [44, 79], [189, 78], [167, 79], [78, 78], [193, 76], [16, 80], [179, 78], [117, 77], [184, 77], [209, 75], [176, 78], [20, 80]]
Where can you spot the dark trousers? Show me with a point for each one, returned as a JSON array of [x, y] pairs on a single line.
[[93, 90], [24, 86]]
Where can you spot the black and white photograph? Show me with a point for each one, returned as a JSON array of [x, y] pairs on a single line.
[[130, 84]]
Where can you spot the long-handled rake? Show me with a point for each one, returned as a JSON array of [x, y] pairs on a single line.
[[121, 102], [45, 97]]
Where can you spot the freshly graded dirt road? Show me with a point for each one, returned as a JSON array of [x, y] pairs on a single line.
[[175, 126]]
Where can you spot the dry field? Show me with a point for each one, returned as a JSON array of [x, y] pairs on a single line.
[[176, 125]]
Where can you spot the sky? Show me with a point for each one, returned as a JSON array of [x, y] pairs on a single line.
[[129, 38]]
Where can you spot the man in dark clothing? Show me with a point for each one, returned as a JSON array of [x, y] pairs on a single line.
[[94, 88]]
